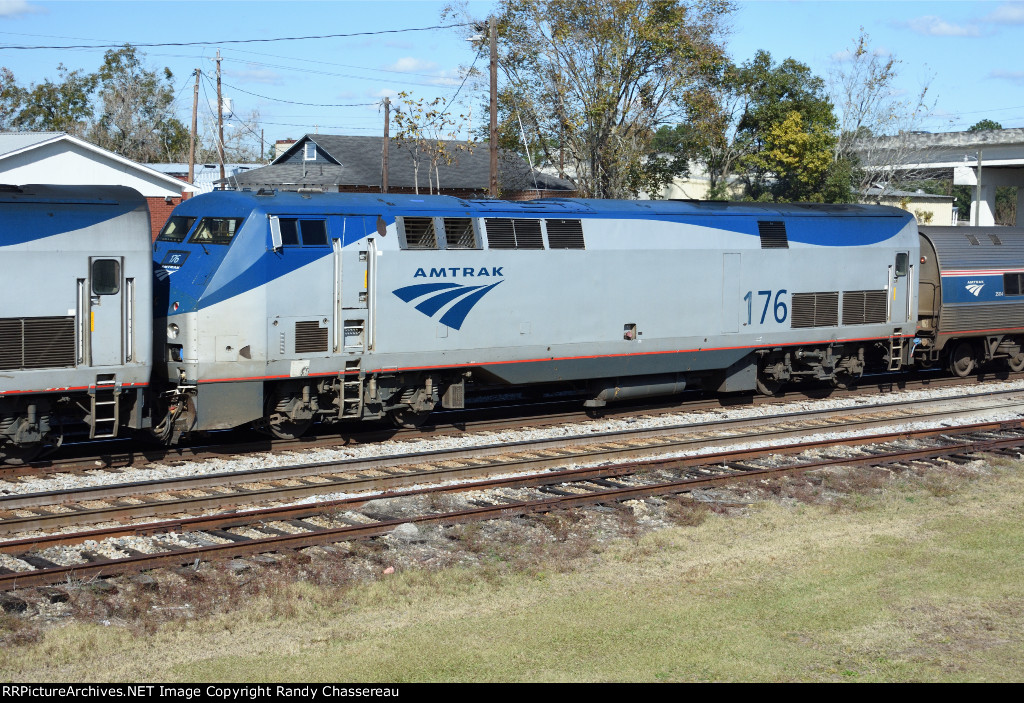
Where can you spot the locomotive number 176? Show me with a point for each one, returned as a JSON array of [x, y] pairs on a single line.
[[779, 311]]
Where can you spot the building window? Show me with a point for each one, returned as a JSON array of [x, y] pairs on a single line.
[[309, 153]]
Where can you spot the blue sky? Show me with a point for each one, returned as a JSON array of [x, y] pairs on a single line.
[[968, 51]]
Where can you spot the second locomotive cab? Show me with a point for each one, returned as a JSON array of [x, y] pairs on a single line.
[[289, 308]]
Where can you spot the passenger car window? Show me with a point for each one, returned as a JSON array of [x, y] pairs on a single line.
[[106, 277], [176, 228], [216, 230]]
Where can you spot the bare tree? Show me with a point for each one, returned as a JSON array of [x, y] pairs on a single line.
[[429, 133], [876, 125]]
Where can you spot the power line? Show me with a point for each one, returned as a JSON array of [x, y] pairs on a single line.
[[293, 102], [239, 41]]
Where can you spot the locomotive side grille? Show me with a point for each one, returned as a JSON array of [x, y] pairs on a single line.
[[528, 234], [565, 234], [815, 310], [458, 232], [310, 337], [864, 307], [505, 233], [419, 233], [500, 234], [773, 234], [37, 342], [10, 344]]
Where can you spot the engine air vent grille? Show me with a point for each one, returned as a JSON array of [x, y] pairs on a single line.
[[773, 234], [37, 342], [565, 234], [419, 233], [458, 232], [815, 310], [310, 337], [864, 307], [973, 240], [996, 240], [505, 233]]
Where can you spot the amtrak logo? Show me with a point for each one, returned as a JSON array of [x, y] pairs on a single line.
[[437, 295], [974, 287]]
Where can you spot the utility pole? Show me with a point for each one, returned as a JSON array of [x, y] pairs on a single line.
[[493, 29], [220, 121], [977, 195], [384, 153], [192, 134]]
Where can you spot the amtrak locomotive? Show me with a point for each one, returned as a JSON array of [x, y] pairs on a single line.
[[282, 309]]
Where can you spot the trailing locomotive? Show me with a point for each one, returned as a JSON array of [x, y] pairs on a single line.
[[282, 309], [76, 276]]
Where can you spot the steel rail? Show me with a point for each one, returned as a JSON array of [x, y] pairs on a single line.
[[601, 495]]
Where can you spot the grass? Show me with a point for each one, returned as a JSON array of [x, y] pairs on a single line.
[[914, 577]]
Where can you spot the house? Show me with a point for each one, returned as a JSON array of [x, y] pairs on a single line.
[[344, 164], [59, 158], [204, 176], [927, 208]]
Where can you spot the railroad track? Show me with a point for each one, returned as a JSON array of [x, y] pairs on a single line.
[[276, 532], [125, 453], [57, 509]]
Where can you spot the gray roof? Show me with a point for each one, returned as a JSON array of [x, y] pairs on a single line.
[[359, 164], [876, 192], [16, 141]]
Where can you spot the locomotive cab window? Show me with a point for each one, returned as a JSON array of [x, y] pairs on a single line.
[[106, 277], [176, 228], [308, 233], [216, 230]]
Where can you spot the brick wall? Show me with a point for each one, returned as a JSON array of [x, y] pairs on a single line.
[[159, 211]]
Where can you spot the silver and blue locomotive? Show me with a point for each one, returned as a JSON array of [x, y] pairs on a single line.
[[287, 308], [76, 275]]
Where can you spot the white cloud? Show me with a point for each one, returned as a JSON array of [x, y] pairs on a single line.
[[257, 75], [384, 93], [409, 64], [13, 8], [1010, 13], [1015, 77], [932, 26]]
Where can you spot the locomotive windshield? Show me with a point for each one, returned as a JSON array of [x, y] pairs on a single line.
[[176, 228], [216, 230]]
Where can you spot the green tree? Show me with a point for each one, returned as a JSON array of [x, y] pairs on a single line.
[[136, 110], [599, 76], [63, 106], [11, 98], [798, 157], [787, 112], [984, 125]]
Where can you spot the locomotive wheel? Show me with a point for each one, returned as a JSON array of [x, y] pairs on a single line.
[[407, 418], [19, 456], [280, 425], [1016, 363], [768, 387], [961, 361]]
